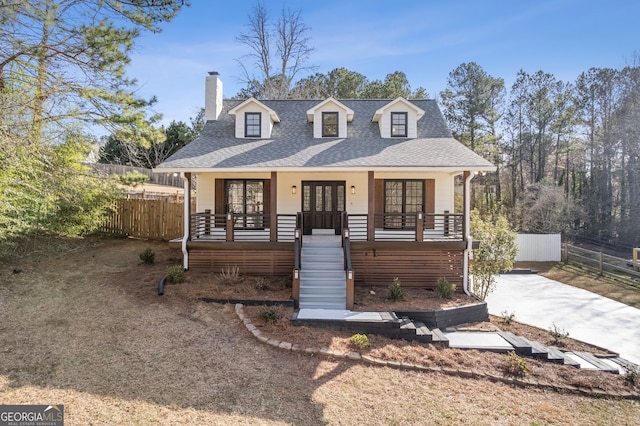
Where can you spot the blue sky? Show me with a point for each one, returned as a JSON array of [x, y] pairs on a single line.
[[426, 39]]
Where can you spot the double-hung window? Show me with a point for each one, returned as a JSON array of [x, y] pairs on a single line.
[[252, 124], [399, 124], [329, 124]]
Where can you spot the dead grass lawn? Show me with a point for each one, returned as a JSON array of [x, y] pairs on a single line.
[[82, 325]]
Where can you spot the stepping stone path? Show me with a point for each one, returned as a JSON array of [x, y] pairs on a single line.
[[391, 326]]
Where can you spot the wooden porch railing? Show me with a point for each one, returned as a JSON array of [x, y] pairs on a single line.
[[207, 226], [408, 227]]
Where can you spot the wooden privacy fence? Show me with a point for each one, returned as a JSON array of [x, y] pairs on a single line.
[[145, 218]]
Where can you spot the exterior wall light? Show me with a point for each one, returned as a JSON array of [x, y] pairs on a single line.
[[293, 189], [353, 189]]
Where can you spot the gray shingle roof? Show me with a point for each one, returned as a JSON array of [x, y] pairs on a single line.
[[292, 144]]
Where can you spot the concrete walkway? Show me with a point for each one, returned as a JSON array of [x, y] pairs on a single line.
[[588, 317]]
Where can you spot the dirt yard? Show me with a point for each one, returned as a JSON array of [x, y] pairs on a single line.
[[81, 324]]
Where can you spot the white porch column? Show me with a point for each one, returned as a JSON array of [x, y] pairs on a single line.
[[186, 180], [467, 233]]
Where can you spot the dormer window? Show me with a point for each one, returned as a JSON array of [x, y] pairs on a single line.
[[398, 119], [248, 117], [330, 119], [399, 124], [329, 124], [252, 124]]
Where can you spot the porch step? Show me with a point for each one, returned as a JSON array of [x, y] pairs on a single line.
[[311, 274], [329, 243], [382, 323], [323, 283], [325, 259]]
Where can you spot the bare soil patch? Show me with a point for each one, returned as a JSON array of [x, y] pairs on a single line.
[[214, 285], [83, 325]]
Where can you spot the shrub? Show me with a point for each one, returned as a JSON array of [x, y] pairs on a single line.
[[444, 289], [270, 313], [230, 274], [395, 290], [632, 376], [558, 333], [133, 178], [496, 253], [515, 365], [508, 317], [262, 284], [359, 341], [175, 274], [147, 256]]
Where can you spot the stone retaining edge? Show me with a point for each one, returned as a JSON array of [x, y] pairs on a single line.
[[463, 373]]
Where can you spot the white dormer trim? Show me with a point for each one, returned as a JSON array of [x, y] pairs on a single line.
[[383, 117], [254, 105], [345, 115]]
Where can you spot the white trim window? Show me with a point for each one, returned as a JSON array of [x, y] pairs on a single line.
[[399, 124], [252, 124]]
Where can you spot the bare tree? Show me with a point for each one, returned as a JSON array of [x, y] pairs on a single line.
[[278, 52]]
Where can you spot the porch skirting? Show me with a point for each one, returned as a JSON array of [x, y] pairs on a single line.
[[374, 263], [255, 258], [415, 265]]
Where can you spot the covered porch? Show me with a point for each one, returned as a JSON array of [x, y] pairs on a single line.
[[379, 240]]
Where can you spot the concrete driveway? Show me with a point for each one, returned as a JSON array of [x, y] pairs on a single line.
[[594, 319]]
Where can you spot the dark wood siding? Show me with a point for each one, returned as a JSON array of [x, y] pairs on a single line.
[[430, 202], [274, 260], [379, 196], [414, 267], [430, 196], [219, 201]]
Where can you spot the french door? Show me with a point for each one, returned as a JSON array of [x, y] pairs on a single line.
[[322, 204]]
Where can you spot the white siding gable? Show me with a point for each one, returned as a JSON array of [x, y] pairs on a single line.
[[383, 117], [345, 115], [268, 117]]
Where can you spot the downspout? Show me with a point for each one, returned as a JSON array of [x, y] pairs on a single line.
[[467, 237], [187, 203]]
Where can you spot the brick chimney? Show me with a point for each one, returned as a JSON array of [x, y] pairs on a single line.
[[212, 96]]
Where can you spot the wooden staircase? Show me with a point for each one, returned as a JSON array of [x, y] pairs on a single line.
[[323, 282]]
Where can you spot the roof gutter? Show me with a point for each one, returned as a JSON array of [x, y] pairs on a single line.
[[304, 169], [468, 238]]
